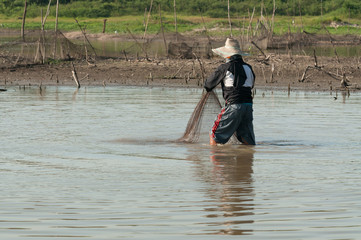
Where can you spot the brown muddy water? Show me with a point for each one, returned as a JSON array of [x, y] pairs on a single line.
[[101, 163]]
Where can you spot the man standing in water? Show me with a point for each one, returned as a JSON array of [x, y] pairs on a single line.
[[237, 80]]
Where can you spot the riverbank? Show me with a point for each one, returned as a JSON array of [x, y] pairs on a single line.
[[184, 68], [276, 71]]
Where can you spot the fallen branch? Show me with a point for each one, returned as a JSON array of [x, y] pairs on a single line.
[[259, 48], [174, 75], [86, 76], [303, 78], [332, 75], [17, 60], [342, 78]]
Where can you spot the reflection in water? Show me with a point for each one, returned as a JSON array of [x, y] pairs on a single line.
[[230, 187]]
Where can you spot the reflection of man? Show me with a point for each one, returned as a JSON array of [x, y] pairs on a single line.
[[237, 80], [233, 173]]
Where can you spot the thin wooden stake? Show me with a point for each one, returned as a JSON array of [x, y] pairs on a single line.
[[333, 45], [145, 16], [146, 24], [202, 69], [75, 75], [161, 26], [299, 8], [272, 71], [205, 28], [56, 26], [315, 58], [56, 15], [140, 45], [104, 24], [229, 19], [125, 55], [289, 89], [273, 19], [175, 20], [42, 18], [46, 16], [243, 29], [84, 34], [23, 23], [250, 23]]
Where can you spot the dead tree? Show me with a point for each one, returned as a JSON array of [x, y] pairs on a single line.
[[321, 69]]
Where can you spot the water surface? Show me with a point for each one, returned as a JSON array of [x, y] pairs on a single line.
[[102, 163]]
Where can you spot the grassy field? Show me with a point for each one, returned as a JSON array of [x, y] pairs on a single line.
[[215, 26]]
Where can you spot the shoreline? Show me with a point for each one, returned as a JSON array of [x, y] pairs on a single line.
[[279, 72], [183, 69]]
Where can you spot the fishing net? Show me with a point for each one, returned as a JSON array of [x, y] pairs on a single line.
[[171, 45], [39, 47], [202, 119], [42, 47], [200, 122]]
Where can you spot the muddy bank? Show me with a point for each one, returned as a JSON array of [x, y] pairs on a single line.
[[277, 71], [182, 69]]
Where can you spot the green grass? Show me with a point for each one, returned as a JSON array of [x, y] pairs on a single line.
[[216, 26]]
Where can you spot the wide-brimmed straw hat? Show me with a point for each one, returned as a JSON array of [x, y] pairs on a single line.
[[230, 48]]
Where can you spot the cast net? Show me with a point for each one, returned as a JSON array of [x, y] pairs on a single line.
[[202, 119], [38, 47]]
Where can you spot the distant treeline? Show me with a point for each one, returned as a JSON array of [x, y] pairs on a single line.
[[211, 8]]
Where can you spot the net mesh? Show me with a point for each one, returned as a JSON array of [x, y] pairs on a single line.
[[202, 119], [199, 124], [39, 47]]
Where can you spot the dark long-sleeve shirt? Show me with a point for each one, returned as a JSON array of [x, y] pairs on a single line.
[[236, 78]]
